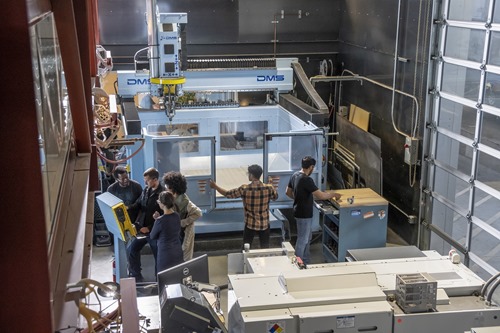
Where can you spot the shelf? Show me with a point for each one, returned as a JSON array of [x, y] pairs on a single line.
[[328, 254], [331, 224], [334, 219], [332, 234]]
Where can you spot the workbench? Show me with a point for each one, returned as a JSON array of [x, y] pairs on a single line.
[[358, 220]]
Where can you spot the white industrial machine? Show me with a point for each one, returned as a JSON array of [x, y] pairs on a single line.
[[269, 293], [212, 118]]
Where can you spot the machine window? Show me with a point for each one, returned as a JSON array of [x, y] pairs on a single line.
[[168, 49], [167, 27], [169, 67], [238, 135]]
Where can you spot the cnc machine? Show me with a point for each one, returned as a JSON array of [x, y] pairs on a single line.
[[212, 118]]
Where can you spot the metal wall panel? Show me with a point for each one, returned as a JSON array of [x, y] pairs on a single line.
[[209, 22], [317, 20], [367, 44], [122, 22], [218, 27], [370, 24]]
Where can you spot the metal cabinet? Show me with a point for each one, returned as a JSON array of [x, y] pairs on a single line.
[[357, 221]]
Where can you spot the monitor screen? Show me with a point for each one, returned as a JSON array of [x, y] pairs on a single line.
[[197, 268]]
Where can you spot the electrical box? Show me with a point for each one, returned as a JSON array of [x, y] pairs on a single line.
[[411, 150]]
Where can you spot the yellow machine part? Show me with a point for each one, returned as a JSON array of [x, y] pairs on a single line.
[[168, 81], [121, 216]]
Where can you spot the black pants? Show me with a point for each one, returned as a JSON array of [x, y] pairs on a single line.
[[248, 235]]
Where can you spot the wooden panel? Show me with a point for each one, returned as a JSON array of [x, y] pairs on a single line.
[[359, 117], [352, 109], [362, 197], [78, 92], [69, 247], [108, 82], [25, 275], [227, 178]]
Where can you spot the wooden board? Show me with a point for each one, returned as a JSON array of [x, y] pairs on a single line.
[[362, 197], [352, 109], [227, 178], [108, 83], [359, 117]]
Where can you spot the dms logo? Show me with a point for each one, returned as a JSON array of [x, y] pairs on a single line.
[[135, 82], [268, 78]]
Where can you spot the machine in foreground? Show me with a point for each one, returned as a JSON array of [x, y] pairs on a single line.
[[275, 295]]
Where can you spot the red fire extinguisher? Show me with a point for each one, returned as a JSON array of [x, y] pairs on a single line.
[[114, 270]]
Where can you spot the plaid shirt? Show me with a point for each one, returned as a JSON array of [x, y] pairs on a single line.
[[256, 197]]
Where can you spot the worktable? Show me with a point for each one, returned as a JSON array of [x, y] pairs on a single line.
[[358, 220]]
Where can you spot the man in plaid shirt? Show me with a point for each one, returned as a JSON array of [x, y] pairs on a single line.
[[256, 197]]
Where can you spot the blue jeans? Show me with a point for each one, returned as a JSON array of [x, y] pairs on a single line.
[[304, 236], [134, 254]]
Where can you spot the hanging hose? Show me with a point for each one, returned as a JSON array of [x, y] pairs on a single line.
[[486, 285], [492, 291], [123, 160]]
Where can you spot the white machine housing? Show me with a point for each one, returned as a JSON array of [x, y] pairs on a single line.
[[351, 297], [279, 79]]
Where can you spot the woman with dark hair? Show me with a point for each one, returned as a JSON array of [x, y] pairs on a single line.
[[167, 230], [176, 184]]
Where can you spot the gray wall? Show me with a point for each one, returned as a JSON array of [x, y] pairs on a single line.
[[367, 44], [226, 27]]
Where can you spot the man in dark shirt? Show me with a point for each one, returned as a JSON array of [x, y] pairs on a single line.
[[256, 197], [128, 190], [303, 191], [148, 205]]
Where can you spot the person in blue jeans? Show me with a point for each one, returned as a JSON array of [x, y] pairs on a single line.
[[302, 189], [148, 206]]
